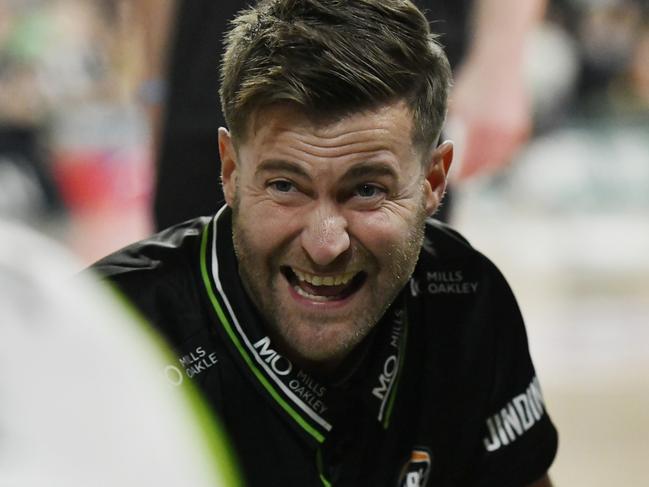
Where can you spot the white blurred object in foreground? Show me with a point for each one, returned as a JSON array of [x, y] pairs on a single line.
[[83, 396]]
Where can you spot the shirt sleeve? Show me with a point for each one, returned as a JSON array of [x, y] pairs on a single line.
[[518, 440]]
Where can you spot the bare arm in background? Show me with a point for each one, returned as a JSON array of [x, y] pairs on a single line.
[[490, 111], [154, 20]]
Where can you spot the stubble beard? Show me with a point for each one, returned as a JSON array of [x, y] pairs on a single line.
[[261, 280]]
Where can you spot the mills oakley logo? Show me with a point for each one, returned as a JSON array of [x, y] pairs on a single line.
[[415, 472]]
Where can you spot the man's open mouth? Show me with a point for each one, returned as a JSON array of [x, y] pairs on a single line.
[[324, 288]]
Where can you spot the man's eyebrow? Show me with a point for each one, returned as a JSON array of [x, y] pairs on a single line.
[[281, 165], [371, 169]]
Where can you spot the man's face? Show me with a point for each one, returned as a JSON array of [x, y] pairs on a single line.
[[328, 221]]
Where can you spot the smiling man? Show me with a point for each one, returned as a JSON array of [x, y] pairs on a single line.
[[343, 336], [341, 205]]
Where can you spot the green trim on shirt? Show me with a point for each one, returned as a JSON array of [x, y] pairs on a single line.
[[246, 357]]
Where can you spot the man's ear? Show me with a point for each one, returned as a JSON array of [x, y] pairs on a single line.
[[228, 165], [437, 175]]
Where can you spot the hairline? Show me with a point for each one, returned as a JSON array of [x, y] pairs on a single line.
[[424, 148]]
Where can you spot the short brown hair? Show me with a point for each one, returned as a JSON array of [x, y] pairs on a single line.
[[333, 57]]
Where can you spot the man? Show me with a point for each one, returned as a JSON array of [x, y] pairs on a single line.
[[342, 336]]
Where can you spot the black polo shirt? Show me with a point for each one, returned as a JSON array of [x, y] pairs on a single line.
[[443, 393]]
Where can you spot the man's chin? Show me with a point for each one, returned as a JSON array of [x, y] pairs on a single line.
[[321, 350], [320, 339]]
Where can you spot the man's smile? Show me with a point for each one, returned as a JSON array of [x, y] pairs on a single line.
[[324, 288]]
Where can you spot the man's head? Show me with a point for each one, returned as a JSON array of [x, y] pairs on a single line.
[[332, 57], [330, 164]]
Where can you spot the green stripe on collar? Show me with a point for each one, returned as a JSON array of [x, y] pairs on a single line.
[[223, 318]]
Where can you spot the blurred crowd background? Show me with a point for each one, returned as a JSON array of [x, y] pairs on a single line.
[[567, 220]]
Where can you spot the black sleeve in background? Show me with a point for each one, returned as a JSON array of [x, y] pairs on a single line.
[[450, 20], [188, 167], [193, 76]]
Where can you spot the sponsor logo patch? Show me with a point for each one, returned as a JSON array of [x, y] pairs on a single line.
[[415, 472], [515, 418], [195, 362], [443, 282]]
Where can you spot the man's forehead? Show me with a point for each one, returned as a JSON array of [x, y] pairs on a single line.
[[280, 117]]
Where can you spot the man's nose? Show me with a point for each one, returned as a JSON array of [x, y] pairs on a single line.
[[325, 236]]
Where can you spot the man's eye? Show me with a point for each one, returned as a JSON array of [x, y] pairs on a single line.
[[282, 186], [368, 191]]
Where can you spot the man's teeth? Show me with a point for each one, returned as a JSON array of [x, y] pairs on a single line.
[[314, 280], [313, 297]]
